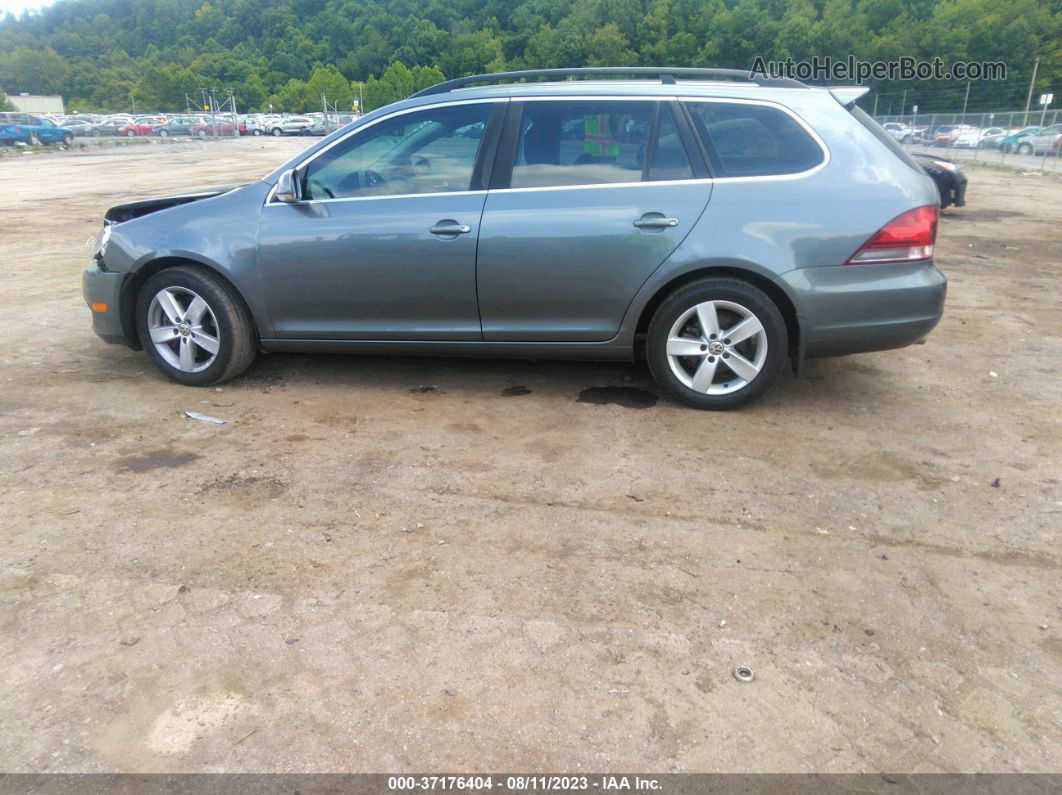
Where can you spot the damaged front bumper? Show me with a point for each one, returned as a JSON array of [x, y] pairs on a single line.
[[103, 293]]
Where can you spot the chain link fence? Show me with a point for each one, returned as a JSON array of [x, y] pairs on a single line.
[[1026, 140]]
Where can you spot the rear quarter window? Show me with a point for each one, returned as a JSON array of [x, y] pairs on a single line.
[[878, 132], [745, 140]]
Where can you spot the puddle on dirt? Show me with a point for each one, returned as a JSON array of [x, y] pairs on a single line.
[[514, 391], [626, 396], [155, 459]]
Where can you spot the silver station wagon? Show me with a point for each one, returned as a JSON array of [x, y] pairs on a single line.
[[715, 225]]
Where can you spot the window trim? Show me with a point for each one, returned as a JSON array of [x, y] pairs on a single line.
[[485, 145]]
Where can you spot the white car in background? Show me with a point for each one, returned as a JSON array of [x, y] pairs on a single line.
[[901, 132], [290, 125]]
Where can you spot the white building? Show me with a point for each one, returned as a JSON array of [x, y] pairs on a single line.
[[36, 103]]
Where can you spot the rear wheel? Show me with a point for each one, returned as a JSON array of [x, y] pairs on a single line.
[[716, 344], [194, 327], [1025, 149], [131, 134], [164, 133], [68, 138], [277, 132]]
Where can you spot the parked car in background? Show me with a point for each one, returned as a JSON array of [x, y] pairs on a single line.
[[78, 125], [399, 236], [901, 132], [320, 127], [1047, 141], [990, 137], [179, 125], [1009, 142], [204, 128], [967, 138], [249, 125], [30, 129], [949, 178], [290, 125], [112, 125], [145, 125]]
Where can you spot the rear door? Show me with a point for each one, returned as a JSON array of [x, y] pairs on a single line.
[[590, 196]]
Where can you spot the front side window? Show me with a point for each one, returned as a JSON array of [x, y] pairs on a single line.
[[745, 140], [596, 142], [428, 151]]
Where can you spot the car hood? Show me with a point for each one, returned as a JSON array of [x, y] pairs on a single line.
[[131, 210]]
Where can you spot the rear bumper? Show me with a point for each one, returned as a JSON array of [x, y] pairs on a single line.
[[858, 308], [104, 289]]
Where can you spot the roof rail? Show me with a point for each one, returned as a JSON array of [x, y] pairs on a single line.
[[667, 75]]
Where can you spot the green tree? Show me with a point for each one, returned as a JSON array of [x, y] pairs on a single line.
[[5, 103]]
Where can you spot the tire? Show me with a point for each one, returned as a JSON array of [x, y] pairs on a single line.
[[201, 133], [761, 355], [277, 132], [257, 132], [68, 139], [164, 133], [906, 140], [1025, 149], [34, 140], [224, 323], [131, 134]]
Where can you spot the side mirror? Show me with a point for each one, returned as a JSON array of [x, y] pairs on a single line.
[[288, 188]]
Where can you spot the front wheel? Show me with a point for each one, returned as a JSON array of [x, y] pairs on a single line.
[[194, 327], [1025, 149], [164, 133], [257, 132], [131, 134], [277, 132], [716, 344]]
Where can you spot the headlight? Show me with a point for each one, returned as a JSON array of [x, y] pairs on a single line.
[[945, 165], [105, 237]]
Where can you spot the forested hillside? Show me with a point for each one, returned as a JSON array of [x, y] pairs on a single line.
[[108, 54]]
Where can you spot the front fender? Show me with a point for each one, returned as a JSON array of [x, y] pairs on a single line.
[[219, 234]]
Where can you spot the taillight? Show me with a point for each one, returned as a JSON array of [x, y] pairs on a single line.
[[906, 238]]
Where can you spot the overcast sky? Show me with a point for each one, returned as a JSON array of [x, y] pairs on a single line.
[[18, 6]]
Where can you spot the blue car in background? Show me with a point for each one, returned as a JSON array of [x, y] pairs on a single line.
[[30, 129]]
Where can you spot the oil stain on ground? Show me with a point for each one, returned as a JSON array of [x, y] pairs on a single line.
[[627, 396], [155, 459]]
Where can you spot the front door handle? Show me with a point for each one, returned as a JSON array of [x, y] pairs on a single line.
[[655, 221], [450, 228]]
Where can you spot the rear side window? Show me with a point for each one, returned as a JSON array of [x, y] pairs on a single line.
[[591, 142], [753, 140]]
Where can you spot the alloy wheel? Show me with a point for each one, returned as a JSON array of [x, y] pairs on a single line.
[[717, 347], [183, 329]]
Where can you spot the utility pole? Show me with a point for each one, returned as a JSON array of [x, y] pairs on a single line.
[[1028, 99]]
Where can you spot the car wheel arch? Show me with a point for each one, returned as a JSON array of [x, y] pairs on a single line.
[[771, 288], [139, 277]]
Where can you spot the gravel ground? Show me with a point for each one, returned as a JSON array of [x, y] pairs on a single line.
[[387, 564]]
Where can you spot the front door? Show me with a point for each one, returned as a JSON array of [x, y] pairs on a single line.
[[601, 193], [383, 244]]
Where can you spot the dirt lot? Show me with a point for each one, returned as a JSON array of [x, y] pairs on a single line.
[[458, 565]]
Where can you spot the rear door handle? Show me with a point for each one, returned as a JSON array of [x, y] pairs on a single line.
[[655, 221], [450, 228]]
